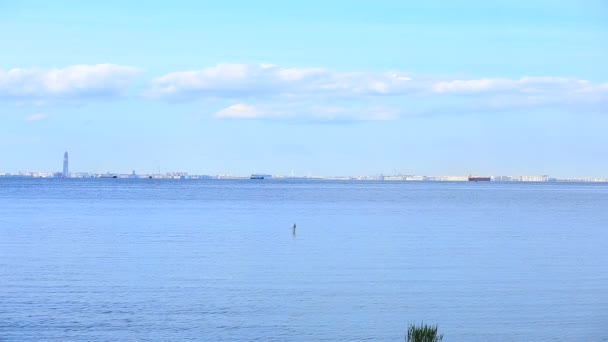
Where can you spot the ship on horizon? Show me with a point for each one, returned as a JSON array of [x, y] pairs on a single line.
[[259, 176], [479, 179]]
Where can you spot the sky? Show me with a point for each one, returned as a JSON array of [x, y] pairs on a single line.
[[310, 87]]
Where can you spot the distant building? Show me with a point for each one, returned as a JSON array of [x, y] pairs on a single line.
[[66, 172], [453, 178], [502, 178], [543, 178]]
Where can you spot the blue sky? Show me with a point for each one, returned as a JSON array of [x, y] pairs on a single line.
[[347, 87]]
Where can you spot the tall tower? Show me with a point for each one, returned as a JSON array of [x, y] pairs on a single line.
[[66, 173]]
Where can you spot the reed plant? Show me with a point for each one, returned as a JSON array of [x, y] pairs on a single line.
[[423, 333]]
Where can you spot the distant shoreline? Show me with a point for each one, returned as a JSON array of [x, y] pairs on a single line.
[[403, 179]]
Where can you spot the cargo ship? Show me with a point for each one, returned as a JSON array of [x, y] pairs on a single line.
[[259, 176], [479, 179]]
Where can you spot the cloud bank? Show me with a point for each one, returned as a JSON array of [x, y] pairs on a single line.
[[270, 91], [263, 80], [267, 91], [71, 83]]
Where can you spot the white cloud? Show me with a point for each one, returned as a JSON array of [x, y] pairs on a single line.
[[471, 86], [270, 91], [246, 80], [525, 93], [306, 112], [524, 85], [239, 111], [223, 80], [37, 117], [276, 92], [72, 82]]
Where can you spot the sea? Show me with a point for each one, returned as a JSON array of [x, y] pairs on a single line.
[[219, 260]]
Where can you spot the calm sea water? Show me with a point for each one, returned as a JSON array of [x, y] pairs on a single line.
[[150, 260]]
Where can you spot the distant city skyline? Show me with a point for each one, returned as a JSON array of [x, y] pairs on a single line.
[[395, 175], [321, 88], [65, 173]]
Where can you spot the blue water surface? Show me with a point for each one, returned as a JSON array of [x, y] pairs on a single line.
[[216, 260]]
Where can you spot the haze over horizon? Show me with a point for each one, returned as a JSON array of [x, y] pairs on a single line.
[[336, 88]]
